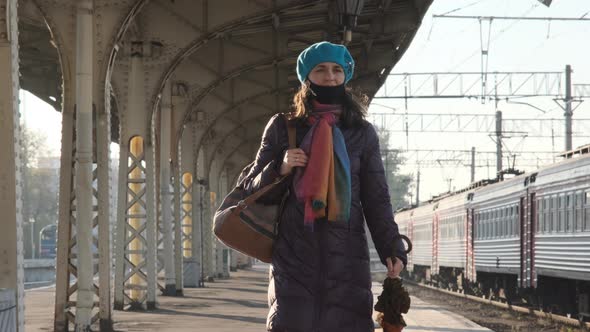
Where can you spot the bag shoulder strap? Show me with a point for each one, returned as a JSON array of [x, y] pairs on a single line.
[[291, 132]]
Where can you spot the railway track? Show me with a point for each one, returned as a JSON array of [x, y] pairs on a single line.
[[495, 315]]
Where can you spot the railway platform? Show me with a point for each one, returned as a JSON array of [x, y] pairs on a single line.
[[235, 304]]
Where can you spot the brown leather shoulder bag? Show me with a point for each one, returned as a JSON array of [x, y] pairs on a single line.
[[245, 225]]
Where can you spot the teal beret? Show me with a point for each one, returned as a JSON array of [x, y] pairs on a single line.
[[324, 52]]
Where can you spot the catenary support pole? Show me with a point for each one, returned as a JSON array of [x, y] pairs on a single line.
[[472, 164], [498, 142], [568, 108]]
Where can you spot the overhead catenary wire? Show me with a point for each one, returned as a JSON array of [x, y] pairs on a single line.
[[463, 7], [493, 38]]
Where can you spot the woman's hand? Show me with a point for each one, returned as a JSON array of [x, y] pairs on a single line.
[[394, 269], [293, 158]]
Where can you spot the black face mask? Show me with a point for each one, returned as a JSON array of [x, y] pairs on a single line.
[[328, 94]]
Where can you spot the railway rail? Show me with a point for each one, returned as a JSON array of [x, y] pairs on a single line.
[[493, 313]]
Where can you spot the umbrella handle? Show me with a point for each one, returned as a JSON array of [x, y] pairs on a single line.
[[404, 238]]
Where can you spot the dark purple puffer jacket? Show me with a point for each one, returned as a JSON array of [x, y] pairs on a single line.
[[320, 280]]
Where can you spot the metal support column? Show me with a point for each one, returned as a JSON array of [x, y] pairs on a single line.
[[221, 251], [84, 158], [177, 99], [103, 169], [188, 208], [472, 164], [165, 194], [206, 220], [65, 271], [498, 142], [135, 269], [11, 245], [417, 187], [151, 227], [568, 108], [178, 251]]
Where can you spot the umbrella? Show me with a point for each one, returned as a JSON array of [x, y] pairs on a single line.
[[394, 300]]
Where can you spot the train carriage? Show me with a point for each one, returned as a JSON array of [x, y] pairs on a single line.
[[451, 245], [560, 209], [496, 212], [526, 238], [418, 222], [562, 232]]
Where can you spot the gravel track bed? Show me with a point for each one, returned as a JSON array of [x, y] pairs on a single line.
[[494, 318]]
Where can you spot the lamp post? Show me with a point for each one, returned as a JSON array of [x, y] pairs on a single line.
[[347, 13], [32, 226]]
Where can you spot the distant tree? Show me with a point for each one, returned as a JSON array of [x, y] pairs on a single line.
[[399, 184], [40, 188]]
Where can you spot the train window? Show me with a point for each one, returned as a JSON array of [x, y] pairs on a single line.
[[541, 212], [513, 221], [562, 215], [507, 226], [492, 229], [547, 214], [570, 213], [517, 224], [578, 214], [509, 221], [506, 223], [587, 212], [480, 225], [553, 226], [477, 225], [499, 224]]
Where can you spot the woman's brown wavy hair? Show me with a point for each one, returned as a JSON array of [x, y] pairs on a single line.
[[354, 106]]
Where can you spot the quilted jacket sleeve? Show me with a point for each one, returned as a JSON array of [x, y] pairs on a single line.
[[376, 201], [268, 161]]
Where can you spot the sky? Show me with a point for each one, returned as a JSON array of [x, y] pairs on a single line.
[[453, 45]]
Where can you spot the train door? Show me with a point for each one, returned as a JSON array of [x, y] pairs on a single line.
[[521, 222], [435, 236], [531, 239], [527, 217], [470, 253], [410, 235]]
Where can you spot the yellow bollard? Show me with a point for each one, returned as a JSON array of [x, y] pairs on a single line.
[[187, 223], [135, 257]]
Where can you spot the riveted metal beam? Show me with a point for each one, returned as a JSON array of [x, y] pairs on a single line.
[[217, 33], [11, 246], [232, 132]]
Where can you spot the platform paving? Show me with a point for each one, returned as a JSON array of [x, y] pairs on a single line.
[[235, 304]]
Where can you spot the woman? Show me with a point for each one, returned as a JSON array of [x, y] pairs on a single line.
[[320, 277]]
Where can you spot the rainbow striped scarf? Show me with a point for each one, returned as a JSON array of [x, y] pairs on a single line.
[[324, 184]]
